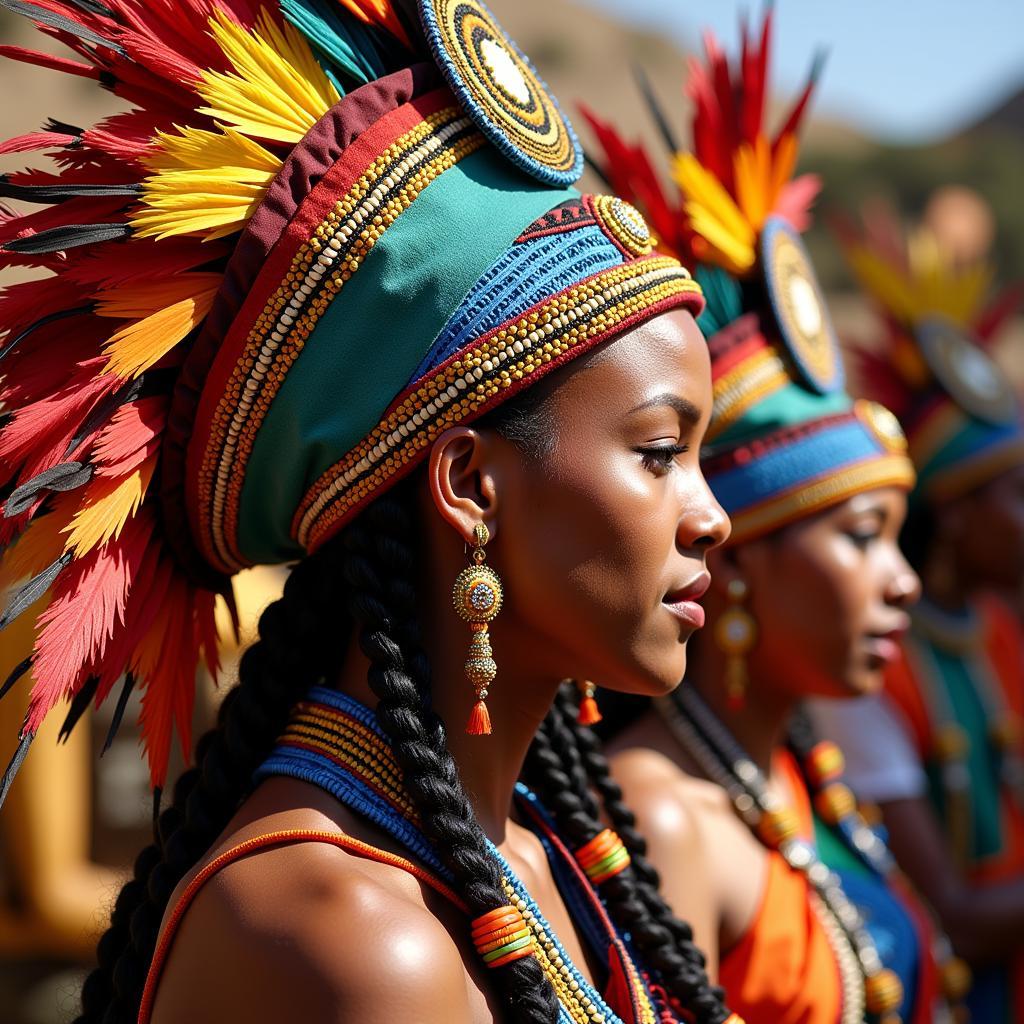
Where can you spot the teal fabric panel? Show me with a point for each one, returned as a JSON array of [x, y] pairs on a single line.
[[376, 331]]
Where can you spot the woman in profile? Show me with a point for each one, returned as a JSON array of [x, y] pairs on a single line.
[[327, 295], [791, 893]]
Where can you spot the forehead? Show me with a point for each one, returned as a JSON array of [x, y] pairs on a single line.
[[666, 355]]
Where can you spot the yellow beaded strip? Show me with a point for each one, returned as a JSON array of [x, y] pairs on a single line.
[[318, 271], [581, 314], [744, 386], [887, 471], [570, 994], [343, 739]]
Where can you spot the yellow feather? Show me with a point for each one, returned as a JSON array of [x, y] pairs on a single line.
[[714, 214], [163, 314], [752, 170], [783, 167], [206, 183], [277, 90], [108, 504]]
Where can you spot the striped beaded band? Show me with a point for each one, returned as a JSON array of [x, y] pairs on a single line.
[[603, 857], [488, 372], [502, 936], [784, 475], [335, 250]]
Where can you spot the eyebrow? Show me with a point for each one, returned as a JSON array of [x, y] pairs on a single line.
[[682, 406]]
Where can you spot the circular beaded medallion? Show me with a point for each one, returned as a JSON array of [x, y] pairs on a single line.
[[799, 307], [477, 594], [883, 424], [624, 224], [500, 90], [966, 372]]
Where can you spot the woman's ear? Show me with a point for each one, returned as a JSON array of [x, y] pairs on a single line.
[[462, 482]]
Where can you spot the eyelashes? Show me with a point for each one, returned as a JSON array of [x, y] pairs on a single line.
[[660, 459]]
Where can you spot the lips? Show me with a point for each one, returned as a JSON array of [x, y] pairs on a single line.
[[884, 648], [682, 603]]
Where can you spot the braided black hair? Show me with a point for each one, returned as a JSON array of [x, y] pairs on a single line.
[[371, 569], [567, 769]]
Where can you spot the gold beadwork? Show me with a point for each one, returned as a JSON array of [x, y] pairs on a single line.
[[735, 635], [477, 597]]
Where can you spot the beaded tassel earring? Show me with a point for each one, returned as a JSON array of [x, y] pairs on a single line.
[[477, 597], [735, 635], [588, 713]]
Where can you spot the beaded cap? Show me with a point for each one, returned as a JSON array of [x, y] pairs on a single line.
[[785, 440], [930, 362], [326, 231]]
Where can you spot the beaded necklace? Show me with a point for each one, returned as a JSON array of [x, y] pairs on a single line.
[[336, 743], [867, 985], [822, 768]]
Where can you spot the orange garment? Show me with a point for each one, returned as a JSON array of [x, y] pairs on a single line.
[[783, 970]]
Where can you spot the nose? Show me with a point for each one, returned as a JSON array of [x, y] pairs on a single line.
[[903, 588], [704, 524]]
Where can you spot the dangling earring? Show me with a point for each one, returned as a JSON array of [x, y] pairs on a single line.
[[588, 713], [736, 634], [477, 598]]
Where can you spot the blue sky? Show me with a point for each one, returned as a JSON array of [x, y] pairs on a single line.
[[907, 70]]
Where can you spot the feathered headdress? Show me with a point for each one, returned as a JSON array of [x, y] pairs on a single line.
[[230, 355], [785, 439], [930, 363]]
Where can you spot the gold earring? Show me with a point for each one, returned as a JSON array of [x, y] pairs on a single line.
[[477, 597], [735, 635], [588, 713]]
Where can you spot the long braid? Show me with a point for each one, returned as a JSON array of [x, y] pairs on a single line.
[[378, 560], [291, 654], [564, 763]]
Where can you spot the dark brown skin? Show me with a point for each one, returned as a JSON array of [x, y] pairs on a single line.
[[588, 544], [829, 594], [978, 546]]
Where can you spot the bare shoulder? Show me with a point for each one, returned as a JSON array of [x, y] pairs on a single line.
[[310, 932]]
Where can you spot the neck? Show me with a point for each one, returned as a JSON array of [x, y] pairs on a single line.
[[759, 726]]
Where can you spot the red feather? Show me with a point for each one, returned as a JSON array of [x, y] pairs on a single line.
[[47, 60], [130, 437], [37, 140], [88, 602]]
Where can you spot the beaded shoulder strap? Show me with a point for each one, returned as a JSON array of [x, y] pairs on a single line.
[[266, 842]]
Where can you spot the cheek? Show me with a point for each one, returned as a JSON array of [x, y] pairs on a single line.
[[811, 618]]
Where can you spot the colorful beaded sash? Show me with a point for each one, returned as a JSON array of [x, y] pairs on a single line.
[[336, 743]]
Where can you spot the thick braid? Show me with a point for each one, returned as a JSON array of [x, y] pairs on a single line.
[[379, 569], [561, 762], [801, 735], [292, 653], [624, 822]]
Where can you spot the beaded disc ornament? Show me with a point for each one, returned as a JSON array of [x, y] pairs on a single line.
[[799, 307], [501, 91], [625, 224], [883, 424], [967, 373]]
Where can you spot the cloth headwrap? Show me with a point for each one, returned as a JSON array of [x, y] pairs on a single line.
[[786, 440], [930, 362], [326, 231]]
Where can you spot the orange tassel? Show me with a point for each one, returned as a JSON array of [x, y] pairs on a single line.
[[479, 723], [589, 713]]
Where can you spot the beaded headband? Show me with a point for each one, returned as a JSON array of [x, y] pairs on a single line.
[[930, 363], [326, 231], [785, 439]]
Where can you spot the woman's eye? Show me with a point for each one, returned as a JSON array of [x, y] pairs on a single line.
[[862, 538], [661, 458]]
